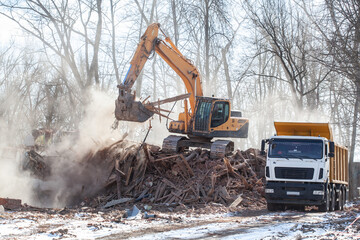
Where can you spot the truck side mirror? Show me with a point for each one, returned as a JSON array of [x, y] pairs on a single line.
[[331, 149], [262, 152]]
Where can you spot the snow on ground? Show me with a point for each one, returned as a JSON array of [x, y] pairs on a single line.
[[111, 225]]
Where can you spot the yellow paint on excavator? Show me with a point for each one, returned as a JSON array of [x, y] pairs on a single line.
[[303, 129]]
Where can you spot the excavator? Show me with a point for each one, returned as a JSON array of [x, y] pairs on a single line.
[[206, 117]]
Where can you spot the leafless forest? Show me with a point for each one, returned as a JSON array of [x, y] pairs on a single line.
[[277, 60]]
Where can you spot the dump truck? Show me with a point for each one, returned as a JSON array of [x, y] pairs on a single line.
[[204, 118], [304, 167]]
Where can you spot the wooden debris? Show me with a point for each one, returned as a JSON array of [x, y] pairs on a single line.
[[10, 203], [235, 203], [149, 175], [118, 201], [187, 165], [167, 158]]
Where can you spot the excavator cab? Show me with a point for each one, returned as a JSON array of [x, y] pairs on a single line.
[[211, 114], [213, 118]]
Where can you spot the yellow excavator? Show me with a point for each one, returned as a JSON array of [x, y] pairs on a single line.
[[207, 117]]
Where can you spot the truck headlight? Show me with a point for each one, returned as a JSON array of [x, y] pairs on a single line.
[[269, 190], [318, 192]]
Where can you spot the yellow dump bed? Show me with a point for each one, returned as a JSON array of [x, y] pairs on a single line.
[[339, 166], [303, 129]]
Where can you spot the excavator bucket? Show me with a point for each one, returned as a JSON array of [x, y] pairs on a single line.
[[127, 109]]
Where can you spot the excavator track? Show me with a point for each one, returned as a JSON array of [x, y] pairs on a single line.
[[218, 149], [172, 144], [221, 148]]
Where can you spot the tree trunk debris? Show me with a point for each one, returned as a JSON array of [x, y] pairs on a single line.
[[187, 178], [128, 173]]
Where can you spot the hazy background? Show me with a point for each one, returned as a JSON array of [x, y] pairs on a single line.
[[276, 60]]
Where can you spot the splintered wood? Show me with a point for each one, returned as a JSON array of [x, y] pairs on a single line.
[[149, 175]]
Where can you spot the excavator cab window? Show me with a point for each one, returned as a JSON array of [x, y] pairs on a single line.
[[202, 115], [220, 113]]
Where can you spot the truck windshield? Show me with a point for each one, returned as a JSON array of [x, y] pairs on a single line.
[[296, 148]]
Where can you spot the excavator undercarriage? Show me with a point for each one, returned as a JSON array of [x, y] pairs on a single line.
[[218, 148]]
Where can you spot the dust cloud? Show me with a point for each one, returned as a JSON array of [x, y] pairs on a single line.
[[276, 108], [71, 177], [13, 182]]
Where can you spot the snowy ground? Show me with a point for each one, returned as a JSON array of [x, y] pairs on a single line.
[[93, 224]]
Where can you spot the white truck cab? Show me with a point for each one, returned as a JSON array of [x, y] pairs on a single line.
[[303, 169]]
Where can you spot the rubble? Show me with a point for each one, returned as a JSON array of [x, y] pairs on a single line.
[[117, 201], [125, 173], [11, 204], [150, 176], [134, 213]]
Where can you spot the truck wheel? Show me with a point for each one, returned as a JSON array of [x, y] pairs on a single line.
[[333, 200], [340, 203], [337, 199], [271, 207], [281, 207], [326, 205], [343, 189], [301, 208]]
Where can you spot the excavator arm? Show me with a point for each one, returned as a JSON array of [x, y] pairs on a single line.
[[130, 110]]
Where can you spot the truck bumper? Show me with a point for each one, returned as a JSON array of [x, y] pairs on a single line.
[[295, 193]]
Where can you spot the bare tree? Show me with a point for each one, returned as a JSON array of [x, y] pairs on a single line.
[[287, 38], [339, 26], [113, 39], [56, 26], [148, 21], [209, 26]]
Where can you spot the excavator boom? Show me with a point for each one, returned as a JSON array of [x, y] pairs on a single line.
[[130, 110]]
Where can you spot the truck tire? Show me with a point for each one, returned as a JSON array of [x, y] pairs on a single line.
[[281, 207], [271, 207], [300, 208], [337, 198], [326, 205], [344, 196], [333, 200], [340, 205]]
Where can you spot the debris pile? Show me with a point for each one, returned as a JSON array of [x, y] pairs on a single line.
[[123, 173], [147, 174]]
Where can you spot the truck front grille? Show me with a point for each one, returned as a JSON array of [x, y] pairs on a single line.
[[294, 173]]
